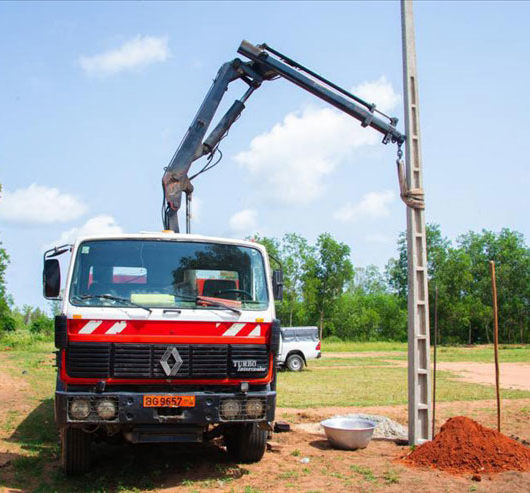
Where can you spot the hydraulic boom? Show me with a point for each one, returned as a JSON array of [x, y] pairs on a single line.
[[264, 64]]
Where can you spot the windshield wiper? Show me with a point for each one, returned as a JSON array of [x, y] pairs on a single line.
[[113, 298], [219, 304], [208, 301]]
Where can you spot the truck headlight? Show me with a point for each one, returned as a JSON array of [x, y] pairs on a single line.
[[79, 408], [230, 408], [106, 408], [255, 408]]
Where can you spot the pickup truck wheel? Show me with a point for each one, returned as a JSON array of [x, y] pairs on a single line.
[[295, 362], [246, 442], [75, 451]]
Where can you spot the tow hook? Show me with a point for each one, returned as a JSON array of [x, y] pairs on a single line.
[[169, 418]]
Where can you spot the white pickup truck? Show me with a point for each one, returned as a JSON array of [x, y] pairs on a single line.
[[297, 346]]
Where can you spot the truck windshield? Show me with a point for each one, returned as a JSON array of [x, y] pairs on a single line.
[[174, 274]]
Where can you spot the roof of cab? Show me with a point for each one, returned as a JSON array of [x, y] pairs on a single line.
[[170, 236]]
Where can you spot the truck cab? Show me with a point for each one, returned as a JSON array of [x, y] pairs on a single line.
[[164, 337]]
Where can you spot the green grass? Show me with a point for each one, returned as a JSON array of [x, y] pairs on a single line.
[[365, 386], [476, 354], [36, 367], [348, 362], [515, 353], [291, 474], [391, 477], [27, 341], [355, 347], [365, 472], [485, 354]]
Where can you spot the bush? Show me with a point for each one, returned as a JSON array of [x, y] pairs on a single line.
[[42, 325], [333, 339], [7, 324], [24, 339]]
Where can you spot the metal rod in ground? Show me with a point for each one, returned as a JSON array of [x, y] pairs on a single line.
[[496, 340], [434, 358]]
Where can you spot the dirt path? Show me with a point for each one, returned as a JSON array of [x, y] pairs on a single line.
[[512, 375]]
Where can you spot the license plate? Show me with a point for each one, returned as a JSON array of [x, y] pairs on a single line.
[[169, 401]]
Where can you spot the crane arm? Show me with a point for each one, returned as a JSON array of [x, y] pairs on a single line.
[[265, 64]]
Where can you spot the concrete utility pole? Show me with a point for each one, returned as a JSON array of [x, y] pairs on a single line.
[[419, 382]]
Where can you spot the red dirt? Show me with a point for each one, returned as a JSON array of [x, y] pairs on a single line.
[[465, 446]]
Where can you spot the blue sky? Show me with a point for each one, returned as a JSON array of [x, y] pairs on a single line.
[[96, 97]]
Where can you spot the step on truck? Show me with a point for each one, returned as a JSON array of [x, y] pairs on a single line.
[[164, 337]]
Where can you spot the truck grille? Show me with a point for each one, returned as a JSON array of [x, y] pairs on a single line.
[[143, 361]]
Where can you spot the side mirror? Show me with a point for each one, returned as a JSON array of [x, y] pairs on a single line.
[[277, 284], [51, 278]]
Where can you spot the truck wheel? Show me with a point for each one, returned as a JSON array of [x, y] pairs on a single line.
[[295, 362], [246, 442], [75, 451]]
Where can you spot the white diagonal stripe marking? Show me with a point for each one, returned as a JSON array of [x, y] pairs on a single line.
[[90, 327], [233, 329], [256, 332], [117, 328]]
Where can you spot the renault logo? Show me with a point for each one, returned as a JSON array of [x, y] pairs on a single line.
[[171, 353]]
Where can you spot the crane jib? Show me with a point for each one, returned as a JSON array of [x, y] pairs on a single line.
[[262, 66]]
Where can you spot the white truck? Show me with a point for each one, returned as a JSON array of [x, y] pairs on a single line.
[[297, 346], [164, 338]]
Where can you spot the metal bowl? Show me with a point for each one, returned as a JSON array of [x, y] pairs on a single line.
[[348, 434]]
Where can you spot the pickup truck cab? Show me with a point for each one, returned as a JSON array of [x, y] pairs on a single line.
[[297, 346]]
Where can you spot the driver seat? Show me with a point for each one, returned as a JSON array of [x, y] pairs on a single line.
[[213, 286]]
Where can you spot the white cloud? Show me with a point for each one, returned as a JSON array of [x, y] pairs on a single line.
[[244, 221], [379, 92], [135, 53], [291, 160], [102, 224], [372, 205], [38, 204]]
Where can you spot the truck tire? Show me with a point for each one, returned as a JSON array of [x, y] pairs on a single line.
[[295, 362], [75, 451], [246, 442]]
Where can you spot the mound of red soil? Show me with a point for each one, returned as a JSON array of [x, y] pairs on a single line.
[[465, 446]]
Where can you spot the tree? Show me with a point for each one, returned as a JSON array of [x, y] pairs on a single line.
[[296, 253], [325, 276], [512, 264], [55, 307], [42, 325], [396, 269], [462, 276], [369, 280], [7, 322]]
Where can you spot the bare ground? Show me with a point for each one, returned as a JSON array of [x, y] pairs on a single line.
[[511, 375], [299, 460]]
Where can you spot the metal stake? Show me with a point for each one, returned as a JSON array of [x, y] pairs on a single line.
[[419, 382], [496, 340], [434, 358]]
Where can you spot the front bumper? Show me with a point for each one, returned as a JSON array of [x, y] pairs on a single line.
[[132, 412]]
